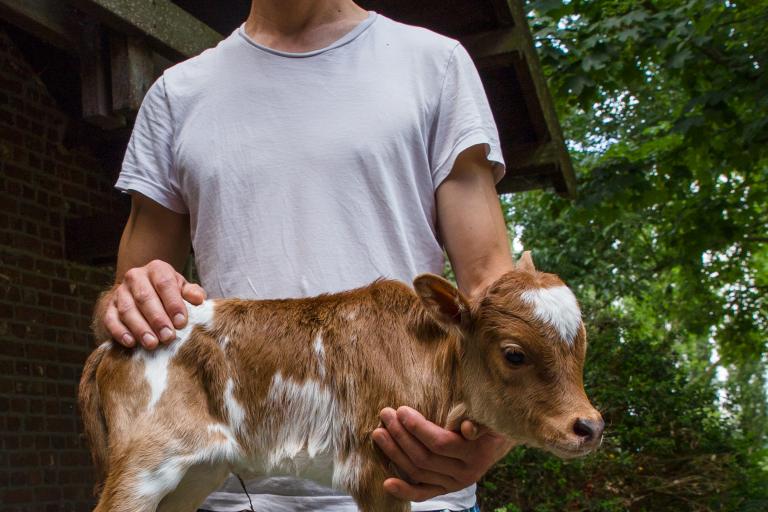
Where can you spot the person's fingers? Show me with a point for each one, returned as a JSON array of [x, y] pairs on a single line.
[[193, 293], [117, 329], [164, 279], [419, 455], [132, 318], [471, 431], [408, 492], [148, 304], [404, 463], [435, 438]]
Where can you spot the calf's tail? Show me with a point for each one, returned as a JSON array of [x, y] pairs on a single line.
[[93, 417]]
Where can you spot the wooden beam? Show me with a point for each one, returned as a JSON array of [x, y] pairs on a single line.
[[94, 80], [133, 71], [543, 179], [503, 11], [50, 20], [540, 155], [531, 167], [174, 32], [565, 184], [490, 45], [513, 46]]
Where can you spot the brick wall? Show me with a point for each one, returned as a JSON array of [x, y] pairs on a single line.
[[45, 301]]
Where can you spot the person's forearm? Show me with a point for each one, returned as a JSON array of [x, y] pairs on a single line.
[[474, 276], [472, 224]]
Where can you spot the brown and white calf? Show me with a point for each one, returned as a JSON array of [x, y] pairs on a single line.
[[295, 386]]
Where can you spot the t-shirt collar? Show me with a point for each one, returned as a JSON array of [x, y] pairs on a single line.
[[345, 39]]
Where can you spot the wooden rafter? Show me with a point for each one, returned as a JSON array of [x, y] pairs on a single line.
[[503, 10], [94, 73], [50, 20], [512, 45], [174, 33], [132, 70], [490, 45]]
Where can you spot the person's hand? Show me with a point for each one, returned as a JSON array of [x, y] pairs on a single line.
[[148, 305], [435, 460]]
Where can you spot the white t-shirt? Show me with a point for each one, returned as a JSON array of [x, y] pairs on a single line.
[[309, 173]]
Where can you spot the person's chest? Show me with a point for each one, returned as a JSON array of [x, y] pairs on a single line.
[[302, 123]]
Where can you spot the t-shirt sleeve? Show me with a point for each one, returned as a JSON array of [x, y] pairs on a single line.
[[148, 166], [463, 119]]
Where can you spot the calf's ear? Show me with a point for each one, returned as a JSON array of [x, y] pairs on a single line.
[[443, 301], [526, 262]]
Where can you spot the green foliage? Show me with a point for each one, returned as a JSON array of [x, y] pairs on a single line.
[[665, 105]]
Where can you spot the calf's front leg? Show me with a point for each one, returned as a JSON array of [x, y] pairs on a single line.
[[370, 495]]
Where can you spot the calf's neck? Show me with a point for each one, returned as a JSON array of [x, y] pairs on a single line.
[[295, 386]]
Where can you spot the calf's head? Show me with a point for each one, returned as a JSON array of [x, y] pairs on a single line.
[[523, 346]]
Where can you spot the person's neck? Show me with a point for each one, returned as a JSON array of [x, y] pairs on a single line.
[[301, 25]]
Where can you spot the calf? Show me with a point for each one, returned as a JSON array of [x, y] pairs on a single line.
[[295, 386]]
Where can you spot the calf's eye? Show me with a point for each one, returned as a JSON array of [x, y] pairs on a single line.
[[514, 357]]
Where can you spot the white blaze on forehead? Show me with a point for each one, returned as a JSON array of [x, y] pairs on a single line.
[[556, 307]]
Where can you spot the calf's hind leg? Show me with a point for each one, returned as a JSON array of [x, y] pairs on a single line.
[[128, 489], [198, 482], [177, 483]]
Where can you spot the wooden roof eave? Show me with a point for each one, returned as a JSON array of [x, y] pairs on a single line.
[[548, 162], [171, 31], [123, 46], [141, 38]]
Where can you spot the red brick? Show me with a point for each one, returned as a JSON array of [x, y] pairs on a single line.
[[19, 495], [44, 305]]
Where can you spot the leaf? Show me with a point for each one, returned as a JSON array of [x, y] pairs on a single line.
[[678, 59], [629, 33], [576, 84], [594, 60], [546, 6], [686, 124]]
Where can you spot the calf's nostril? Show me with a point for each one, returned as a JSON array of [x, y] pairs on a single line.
[[585, 428]]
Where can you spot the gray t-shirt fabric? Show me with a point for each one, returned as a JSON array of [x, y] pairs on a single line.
[[306, 173]]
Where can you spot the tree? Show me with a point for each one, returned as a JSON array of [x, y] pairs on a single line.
[[665, 107]]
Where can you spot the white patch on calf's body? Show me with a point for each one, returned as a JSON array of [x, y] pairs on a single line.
[[556, 307], [156, 361], [200, 315], [154, 484], [320, 352], [235, 411], [228, 449], [346, 473], [302, 435]]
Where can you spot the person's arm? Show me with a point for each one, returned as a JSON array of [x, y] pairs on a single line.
[[472, 227], [145, 304]]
